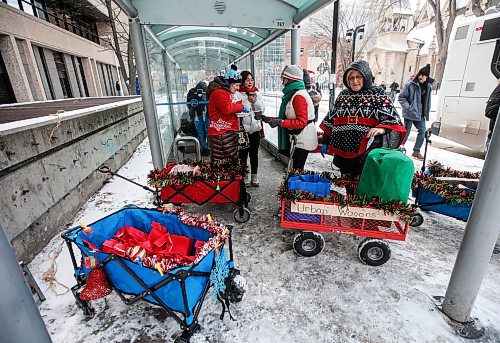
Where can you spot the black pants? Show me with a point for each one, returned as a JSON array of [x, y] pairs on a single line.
[[299, 158], [353, 166], [253, 151]]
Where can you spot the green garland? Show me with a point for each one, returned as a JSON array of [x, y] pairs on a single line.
[[452, 194], [439, 170], [395, 207], [227, 169]]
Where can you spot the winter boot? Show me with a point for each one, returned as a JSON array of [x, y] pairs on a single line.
[[255, 180], [246, 179], [417, 155]]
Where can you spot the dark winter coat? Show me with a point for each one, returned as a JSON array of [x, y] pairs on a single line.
[[410, 99], [493, 104], [197, 93]]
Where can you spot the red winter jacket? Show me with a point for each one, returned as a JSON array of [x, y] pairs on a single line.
[[222, 112]]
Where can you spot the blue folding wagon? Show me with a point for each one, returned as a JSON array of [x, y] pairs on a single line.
[[180, 291]]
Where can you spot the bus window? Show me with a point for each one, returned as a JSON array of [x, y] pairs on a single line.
[[490, 29], [462, 32]]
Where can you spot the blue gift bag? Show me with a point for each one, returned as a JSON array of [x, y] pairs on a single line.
[[315, 184]]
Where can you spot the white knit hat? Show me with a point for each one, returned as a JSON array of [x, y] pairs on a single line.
[[293, 72]]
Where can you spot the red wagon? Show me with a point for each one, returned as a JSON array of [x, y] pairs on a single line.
[[313, 217], [218, 192], [229, 187]]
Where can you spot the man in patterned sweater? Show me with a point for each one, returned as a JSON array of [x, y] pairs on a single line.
[[362, 119]]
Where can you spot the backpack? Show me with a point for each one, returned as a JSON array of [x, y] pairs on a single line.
[[187, 125]]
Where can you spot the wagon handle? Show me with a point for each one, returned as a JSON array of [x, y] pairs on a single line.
[[107, 170]]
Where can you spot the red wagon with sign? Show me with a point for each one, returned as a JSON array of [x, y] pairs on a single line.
[[313, 217]]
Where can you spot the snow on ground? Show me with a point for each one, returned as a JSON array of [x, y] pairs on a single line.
[[331, 297]]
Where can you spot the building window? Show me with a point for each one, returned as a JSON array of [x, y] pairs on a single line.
[[62, 73], [111, 83], [6, 91], [64, 17], [77, 72], [82, 74], [46, 80]]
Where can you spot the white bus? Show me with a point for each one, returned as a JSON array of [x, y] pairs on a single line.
[[470, 75]]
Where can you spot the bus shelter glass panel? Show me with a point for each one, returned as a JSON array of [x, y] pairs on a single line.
[[269, 62], [158, 69]]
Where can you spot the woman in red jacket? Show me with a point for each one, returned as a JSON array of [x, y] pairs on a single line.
[[222, 109]]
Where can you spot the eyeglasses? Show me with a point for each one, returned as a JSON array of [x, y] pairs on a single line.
[[357, 77]]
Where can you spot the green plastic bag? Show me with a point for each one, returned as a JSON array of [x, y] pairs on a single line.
[[387, 174]]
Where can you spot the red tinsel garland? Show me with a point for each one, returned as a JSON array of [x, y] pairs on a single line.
[[227, 169]]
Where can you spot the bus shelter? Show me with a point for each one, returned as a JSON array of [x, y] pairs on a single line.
[[170, 39], [231, 31]]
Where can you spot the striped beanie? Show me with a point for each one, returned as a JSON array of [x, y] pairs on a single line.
[[293, 72]]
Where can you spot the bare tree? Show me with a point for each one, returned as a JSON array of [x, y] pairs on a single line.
[[352, 14], [442, 32]]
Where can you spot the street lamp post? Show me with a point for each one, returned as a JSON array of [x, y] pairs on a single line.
[[333, 60], [354, 34]]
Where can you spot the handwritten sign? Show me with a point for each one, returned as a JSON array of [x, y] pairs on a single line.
[[338, 211]]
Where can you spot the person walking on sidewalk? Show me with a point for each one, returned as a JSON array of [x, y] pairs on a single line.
[[415, 100], [394, 90]]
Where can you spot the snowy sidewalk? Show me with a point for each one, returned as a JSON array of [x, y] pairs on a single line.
[[331, 297]]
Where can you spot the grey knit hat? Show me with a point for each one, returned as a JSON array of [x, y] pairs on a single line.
[[293, 72]]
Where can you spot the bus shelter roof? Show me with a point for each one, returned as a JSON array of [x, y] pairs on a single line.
[[197, 31]]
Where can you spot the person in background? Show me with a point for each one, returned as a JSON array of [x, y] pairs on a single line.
[[222, 109], [415, 100], [198, 113], [383, 86], [394, 87], [296, 118], [137, 86], [313, 93], [362, 119], [118, 88], [234, 67], [492, 108], [252, 100]]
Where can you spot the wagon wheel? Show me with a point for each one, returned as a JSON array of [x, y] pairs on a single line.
[[417, 220], [374, 252], [308, 243], [241, 215], [87, 308]]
